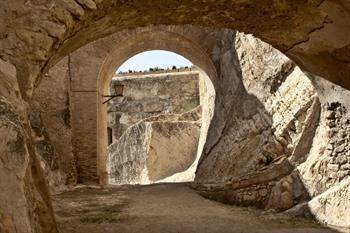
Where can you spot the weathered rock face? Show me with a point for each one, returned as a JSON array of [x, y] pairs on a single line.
[[277, 119], [154, 149], [309, 122], [328, 162], [332, 206], [273, 120], [24, 201], [147, 95], [50, 121], [287, 192], [126, 159], [173, 148]]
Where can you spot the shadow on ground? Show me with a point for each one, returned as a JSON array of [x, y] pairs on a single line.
[[165, 208]]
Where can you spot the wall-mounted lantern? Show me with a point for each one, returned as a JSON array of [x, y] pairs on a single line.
[[118, 92]]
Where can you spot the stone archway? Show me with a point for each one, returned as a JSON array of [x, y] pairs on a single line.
[[148, 39], [91, 77], [36, 34], [249, 117]]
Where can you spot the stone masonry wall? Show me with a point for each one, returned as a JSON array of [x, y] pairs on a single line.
[[149, 95], [156, 126]]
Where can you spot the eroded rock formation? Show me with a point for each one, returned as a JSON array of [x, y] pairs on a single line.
[[299, 124], [150, 151], [273, 119]]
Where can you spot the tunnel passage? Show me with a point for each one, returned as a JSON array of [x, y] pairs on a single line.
[[266, 120], [313, 33]]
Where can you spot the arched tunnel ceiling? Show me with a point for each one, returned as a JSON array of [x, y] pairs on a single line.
[[315, 33], [173, 39]]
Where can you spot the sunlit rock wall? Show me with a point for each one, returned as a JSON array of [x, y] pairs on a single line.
[[157, 126], [275, 123], [326, 172], [295, 149], [279, 112], [154, 149]]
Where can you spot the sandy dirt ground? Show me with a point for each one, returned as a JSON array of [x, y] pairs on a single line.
[[164, 208]]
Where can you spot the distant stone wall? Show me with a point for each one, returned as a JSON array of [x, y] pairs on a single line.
[[147, 95], [155, 148], [156, 126]]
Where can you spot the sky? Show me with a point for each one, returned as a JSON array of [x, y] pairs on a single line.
[[155, 58]]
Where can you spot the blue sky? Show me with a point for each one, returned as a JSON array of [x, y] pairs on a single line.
[[155, 58]]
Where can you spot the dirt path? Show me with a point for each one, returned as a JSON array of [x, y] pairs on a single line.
[[164, 208]]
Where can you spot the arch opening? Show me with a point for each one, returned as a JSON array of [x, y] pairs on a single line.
[[147, 41], [159, 109]]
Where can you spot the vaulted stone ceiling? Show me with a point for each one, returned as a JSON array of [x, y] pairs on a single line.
[[315, 34]]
